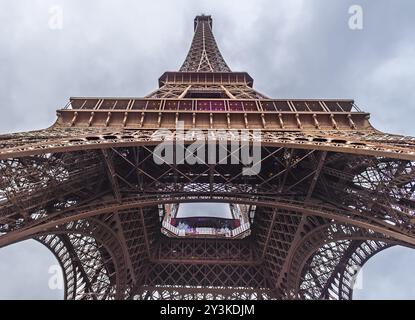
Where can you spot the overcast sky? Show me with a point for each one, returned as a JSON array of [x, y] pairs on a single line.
[[219, 210], [293, 49]]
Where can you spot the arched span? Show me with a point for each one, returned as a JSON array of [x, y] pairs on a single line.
[[339, 284], [341, 215], [69, 140], [81, 281]]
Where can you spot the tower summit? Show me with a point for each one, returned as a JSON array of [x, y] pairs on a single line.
[[331, 192], [204, 54]]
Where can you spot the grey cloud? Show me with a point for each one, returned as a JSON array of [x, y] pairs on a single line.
[[25, 272], [220, 210], [388, 275]]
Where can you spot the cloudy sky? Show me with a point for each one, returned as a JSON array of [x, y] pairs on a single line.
[[292, 48]]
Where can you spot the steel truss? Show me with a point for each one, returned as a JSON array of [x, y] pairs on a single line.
[[331, 191]]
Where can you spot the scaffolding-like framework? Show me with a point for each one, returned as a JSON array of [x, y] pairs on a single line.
[[331, 193]]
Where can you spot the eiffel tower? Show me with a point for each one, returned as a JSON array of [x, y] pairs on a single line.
[[331, 192]]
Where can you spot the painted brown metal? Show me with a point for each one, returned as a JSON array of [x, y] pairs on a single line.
[[331, 193]]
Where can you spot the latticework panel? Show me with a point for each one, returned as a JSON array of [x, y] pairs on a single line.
[[204, 54]]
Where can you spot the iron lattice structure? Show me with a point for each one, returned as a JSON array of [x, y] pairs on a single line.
[[332, 191]]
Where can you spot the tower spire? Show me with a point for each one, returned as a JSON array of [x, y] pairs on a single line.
[[204, 54]]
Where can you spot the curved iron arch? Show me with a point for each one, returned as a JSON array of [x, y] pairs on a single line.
[[59, 243], [356, 239]]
